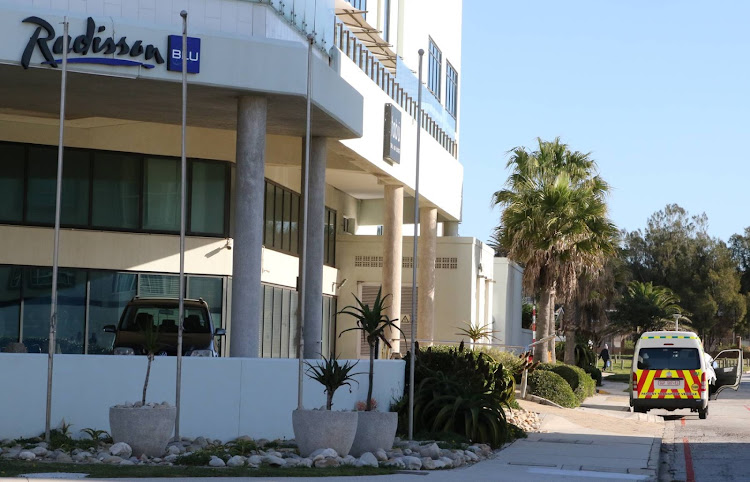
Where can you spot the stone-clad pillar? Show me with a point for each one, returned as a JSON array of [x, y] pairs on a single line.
[[316, 212], [427, 249], [392, 258], [248, 227]]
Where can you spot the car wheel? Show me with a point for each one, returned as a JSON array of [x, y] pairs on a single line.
[[703, 413]]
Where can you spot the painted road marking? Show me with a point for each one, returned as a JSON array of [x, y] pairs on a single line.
[[747, 407], [683, 421], [688, 461], [580, 474]]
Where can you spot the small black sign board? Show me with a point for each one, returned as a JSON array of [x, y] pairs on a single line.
[[392, 134]]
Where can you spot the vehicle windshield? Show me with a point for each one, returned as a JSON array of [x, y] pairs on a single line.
[[164, 319], [668, 359]]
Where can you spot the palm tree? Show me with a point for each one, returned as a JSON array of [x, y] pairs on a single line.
[[373, 321], [647, 307], [554, 223]]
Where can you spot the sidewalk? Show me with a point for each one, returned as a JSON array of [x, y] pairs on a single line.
[[600, 441]]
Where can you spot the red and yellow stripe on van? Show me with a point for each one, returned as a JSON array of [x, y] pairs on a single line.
[[645, 383]]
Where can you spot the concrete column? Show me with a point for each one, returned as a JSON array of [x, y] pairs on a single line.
[[248, 227], [488, 289], [426, 251], [392, 255], [316, 212], [450, 228]]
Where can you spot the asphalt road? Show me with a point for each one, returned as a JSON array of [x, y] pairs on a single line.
[[715, 449]]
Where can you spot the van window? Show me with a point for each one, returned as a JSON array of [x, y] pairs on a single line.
[[163, 318], [668, 359]]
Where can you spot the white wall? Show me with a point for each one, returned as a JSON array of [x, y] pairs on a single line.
[[222, 398], [508, 303]]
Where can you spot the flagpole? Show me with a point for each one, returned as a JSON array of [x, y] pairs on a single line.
[[303, 248], [55, 261], [183, 182], [414, 258]]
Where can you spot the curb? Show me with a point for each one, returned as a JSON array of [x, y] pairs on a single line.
[[541, 401], [654, 457]]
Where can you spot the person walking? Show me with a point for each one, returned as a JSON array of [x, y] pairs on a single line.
[[605, 357]]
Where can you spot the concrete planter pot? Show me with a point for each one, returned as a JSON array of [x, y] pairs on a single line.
[[324, 429], [375, 430], [146, 429]]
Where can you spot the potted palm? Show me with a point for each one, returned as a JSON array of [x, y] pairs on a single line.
[[375, 430], [146, 428], [321, 429]]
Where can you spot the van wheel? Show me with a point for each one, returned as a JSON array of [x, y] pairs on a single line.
[[703, 413]]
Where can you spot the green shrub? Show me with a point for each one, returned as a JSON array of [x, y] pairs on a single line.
[[511, 362], [459, 391], [548, 384], [595, 375], [580, 382]]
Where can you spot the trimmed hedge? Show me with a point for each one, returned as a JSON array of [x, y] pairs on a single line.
[[548, 384], [580, 382], [595, 374]]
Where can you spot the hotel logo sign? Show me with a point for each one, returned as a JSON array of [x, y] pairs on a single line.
[[94, 48], [392, 134]]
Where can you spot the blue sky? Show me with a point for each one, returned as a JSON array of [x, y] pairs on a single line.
[[657, 91]]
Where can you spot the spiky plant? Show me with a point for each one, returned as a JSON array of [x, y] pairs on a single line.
[[373, 322], [332, 375], [476, 332]]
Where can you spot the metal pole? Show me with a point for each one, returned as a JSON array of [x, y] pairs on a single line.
[[414, 258], [55, 260], [303, 248], [183, 182]]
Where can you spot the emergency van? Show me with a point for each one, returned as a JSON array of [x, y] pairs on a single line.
[[670, 372]]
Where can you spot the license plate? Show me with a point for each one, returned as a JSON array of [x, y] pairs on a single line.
[[668, 383]]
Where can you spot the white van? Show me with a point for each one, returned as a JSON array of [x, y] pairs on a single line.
[[670, 372]]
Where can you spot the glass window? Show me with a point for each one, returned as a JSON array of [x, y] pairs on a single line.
[[668, 359], [287, 228], [159, 286], [329, 235], [71, 299], [435, 66], [116, 191], [109, 294], [208, 190], [278, 321], [278, 218], [40, 194], [211, 290], [268, 234], [10, 304], [267, 321], [451, 90], [161, 202], [294, 230], [329, 325], [12, 165]]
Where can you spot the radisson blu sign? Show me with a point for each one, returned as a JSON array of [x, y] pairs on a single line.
[[94, 47]]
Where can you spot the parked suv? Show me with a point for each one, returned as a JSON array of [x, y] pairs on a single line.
[[161, 314]]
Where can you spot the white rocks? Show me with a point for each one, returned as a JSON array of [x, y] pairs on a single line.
[[274, 461], [127, 462], [174, 450], [350, 461], [112, 459], [298, 462], [63, 458], [447, 461], [381, 455], [201, 442], [396, 463], [81, 456], [323, 453], [121, 449], [368, 460], [171, 458], [27, 455], [428, 463], [432, 451], [326, 462], [412, 463], [39, 451], [236, 461], [216, 462], [471, 456], [255, 460]]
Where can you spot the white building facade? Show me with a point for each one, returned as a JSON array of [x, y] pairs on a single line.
[[245, 148]]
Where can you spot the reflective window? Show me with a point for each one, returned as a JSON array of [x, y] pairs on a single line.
[[208, 197], [109, 293], [434, 69], [10, 304], [329, 238], [329, 325], [668, 359], [161, 194], [12, 166], [71, 312], [116, 191], [451, 90], [42, 186], [279, 322], [211, 290]]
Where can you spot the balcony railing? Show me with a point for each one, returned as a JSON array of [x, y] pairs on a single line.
[[350, 46], [307, 17]]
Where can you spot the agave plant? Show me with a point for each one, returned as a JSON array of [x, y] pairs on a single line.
[[332, 375], [476, 332], [373, 322]]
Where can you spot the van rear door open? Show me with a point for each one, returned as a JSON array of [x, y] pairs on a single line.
[[728, 368]]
